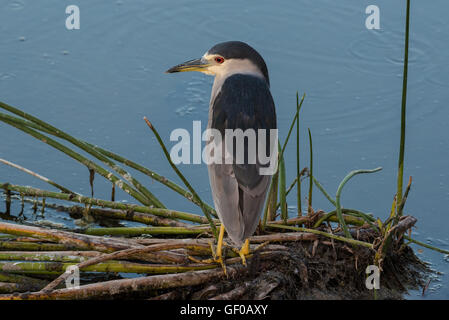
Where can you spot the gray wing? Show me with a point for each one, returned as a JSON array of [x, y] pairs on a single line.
[[239, 190]]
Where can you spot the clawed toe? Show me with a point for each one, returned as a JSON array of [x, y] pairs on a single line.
[[244, 251]]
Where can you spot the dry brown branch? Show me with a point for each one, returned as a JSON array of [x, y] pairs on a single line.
[[123, 254], [114, 256], [35, 246], [145, 218], [172, 295], [78, 240], [48, 255], [404, 224], [21, 283], [206, 292], [235, 293], [293, 221], [275, 237], [7, 287], [34, 174], [265, 287], [122, 286]]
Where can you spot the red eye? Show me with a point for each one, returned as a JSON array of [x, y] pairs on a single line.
[[219, 60]]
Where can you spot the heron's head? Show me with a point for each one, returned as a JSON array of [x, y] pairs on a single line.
[[225, 59]]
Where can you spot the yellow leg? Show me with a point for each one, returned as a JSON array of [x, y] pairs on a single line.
[[218, 253], [218, 258], [244, 251]]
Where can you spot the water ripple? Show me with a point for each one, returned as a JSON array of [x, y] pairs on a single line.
[[16, 5]]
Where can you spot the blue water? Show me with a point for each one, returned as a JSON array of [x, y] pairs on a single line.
[[98, 82]]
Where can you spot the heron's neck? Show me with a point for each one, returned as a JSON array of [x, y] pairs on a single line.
[[231, 67], [218, 83], [221, 77]]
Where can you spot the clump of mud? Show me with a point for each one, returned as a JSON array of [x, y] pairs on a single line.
[[310, 271]]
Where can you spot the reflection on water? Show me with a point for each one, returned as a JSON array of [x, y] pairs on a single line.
[[98, 82]]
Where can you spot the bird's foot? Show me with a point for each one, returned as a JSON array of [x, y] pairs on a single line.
[[244, 251], [217, 257]]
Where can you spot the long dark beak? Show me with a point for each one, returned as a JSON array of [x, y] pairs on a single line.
[[192, 65]]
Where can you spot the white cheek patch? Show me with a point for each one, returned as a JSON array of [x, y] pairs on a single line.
[[242, 66], [230, 67]]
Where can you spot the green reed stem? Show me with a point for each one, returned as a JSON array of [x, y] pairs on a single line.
[[33, 246], [288, 191], [271, 203], [137, 231], [181, 176], [338, 196], [110, 266], [292, 125], [166, 213], [364, 218], [311, 171], [282, 187], [403, 110], [34, 174], [322, 233], [175, 187], [298, 167], [78, 157], [368, 219], [425, 245], [323, 191], [281, 168], [63, 135]]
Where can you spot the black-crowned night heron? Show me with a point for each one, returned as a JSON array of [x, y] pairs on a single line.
[[240, 99]]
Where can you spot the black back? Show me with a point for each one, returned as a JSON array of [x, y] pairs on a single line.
[[244, 102]]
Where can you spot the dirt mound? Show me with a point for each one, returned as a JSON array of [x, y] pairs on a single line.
[[314, 271]]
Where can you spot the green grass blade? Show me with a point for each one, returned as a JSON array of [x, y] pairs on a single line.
[[36, 175], [78, 157], [271, 203], [323, 191], [163, 180], [338, 196], [76, 198], [282, 187], [311, 172], [298, 167], [292, 124], [181, 176], [152, 200], [403, 110], [175, 187]]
